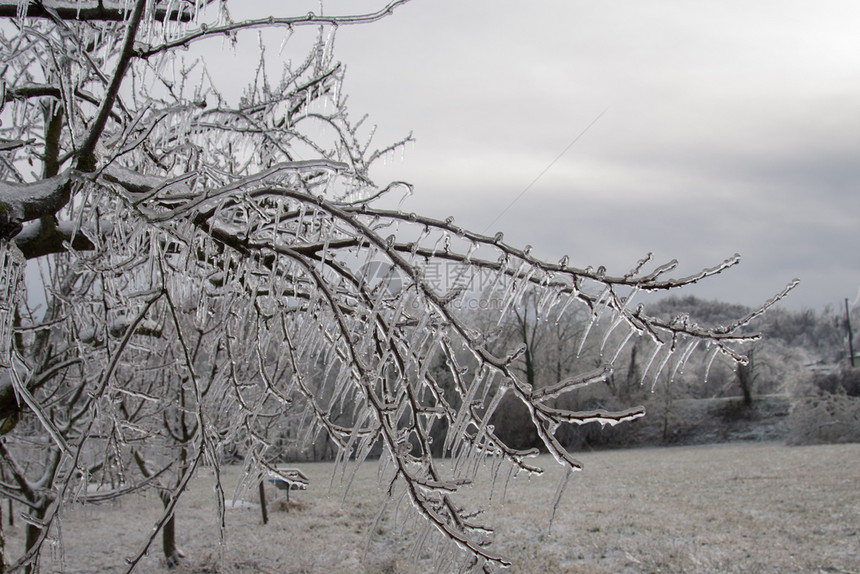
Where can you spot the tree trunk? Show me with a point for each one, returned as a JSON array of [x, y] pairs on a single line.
[[168, 531], [746, 376], [2, 545], [32, 538], [168, 543], [667, 407], [666, 423]]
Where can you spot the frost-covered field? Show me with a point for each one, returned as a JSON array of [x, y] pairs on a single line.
[[729, 508]]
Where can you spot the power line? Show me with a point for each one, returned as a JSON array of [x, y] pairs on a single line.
[[546, 169]]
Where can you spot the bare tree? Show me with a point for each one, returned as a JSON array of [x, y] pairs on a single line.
[[202, 256]]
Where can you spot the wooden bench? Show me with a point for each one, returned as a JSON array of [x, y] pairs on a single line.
[[288, 479]]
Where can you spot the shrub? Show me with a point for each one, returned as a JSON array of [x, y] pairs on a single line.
[[827, 409]]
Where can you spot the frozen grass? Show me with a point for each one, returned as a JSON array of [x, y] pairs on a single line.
[[729, 508]]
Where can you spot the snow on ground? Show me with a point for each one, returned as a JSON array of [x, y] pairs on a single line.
[[728, 508], [243, 504]]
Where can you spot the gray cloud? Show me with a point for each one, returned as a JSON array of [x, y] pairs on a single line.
[[730, 126]]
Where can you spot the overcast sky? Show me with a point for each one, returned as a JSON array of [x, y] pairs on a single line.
[[715, 128]]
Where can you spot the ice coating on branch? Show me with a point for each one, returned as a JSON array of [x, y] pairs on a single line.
[[21, 202], [11, 274]]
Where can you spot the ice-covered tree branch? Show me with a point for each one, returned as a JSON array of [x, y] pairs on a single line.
[[94, 11], [309, 19], [20, 202], [86, 159]]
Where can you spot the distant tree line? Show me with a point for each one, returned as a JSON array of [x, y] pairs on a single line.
[[793, 376]]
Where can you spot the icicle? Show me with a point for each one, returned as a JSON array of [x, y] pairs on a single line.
[[595, 317], [403, 199], [712, 354], [622, 345], [558, 494], [682, 361], [488, 414], [468, 258], [619, 318], [442, 238], [585, 333], [458, 426], [570, 299], [519, 286], [657, 349], [20, 12], [660, 370], [550, 296]]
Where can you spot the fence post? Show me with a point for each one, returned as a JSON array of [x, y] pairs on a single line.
[[263, 502], [850, 334]]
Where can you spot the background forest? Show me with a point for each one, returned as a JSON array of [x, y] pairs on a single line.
[[798, 384]]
